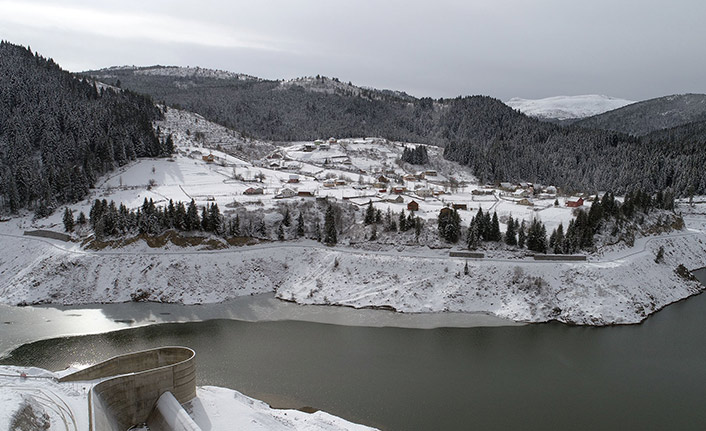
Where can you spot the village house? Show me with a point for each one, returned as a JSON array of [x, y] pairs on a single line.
[[399, 190], [525, 202], [423, 192], [459, 206], [293, 179], [254, 191], [305, 194], [409, 177], [209, 159], [574, 203], [412, 206], [340, 182], [329, 183], [309, 147], [286, 193]]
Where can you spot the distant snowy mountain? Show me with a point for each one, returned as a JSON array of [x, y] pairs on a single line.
[[567, 107]]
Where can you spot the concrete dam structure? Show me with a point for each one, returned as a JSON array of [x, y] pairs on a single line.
[[131, 386]]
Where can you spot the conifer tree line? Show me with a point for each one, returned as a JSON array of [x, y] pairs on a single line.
[[391, 221], [108, 219], [415, 156], [59, 132], [579, 234]]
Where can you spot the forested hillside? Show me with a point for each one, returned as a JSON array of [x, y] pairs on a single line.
[[58, 133], [641, 118], [499, 143], [306, 108]]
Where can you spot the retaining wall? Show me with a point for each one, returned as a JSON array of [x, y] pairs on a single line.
[[569, 257], [468, 254], [48, 234]]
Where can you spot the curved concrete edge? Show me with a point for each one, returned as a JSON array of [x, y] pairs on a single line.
[[133, 383], [169, 415]]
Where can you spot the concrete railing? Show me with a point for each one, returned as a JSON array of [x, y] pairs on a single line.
[[134, 382]]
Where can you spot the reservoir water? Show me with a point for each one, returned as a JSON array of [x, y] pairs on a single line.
[[650, 376]]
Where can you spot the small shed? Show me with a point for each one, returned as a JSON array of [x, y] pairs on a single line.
[[305, 194], [525, 202], [412, 206], [209, 159], [459, 206]]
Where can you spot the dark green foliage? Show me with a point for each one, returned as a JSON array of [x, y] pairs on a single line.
[[374, 233], [521, 235], [280, 232], [68, 220], [330, 237], [369, 214], [300, 225], [449, 225], [537, 237], [415, 156], [287, 221], [495, 234], [58, 133], [510, 235]]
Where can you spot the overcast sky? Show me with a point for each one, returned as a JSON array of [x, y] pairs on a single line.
[[634, 49]]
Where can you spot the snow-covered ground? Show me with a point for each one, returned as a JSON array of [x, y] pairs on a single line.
[[620, 285], [567, 107], [623, 286], [38, 401]]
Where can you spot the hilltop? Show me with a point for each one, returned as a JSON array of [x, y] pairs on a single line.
[[642, 118]]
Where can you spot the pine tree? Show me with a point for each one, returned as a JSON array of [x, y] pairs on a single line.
[[495, 234], [558, 246], [205, 220], [300, 225], [521, 235], [81, 219], [280, 232], [402, 221], [287, 221], [369, 214], [374, 233], [510, 238], [193, 222], [330, 227], [473, 237], [68, 220]]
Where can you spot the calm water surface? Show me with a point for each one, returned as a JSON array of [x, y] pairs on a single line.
[[535, 377]]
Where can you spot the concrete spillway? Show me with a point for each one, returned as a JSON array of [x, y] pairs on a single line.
[[131, 385]]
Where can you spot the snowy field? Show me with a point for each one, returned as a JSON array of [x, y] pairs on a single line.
[[38, 401], [567, 107]]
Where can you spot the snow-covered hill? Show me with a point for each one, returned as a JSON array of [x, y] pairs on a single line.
[[567, 107]]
